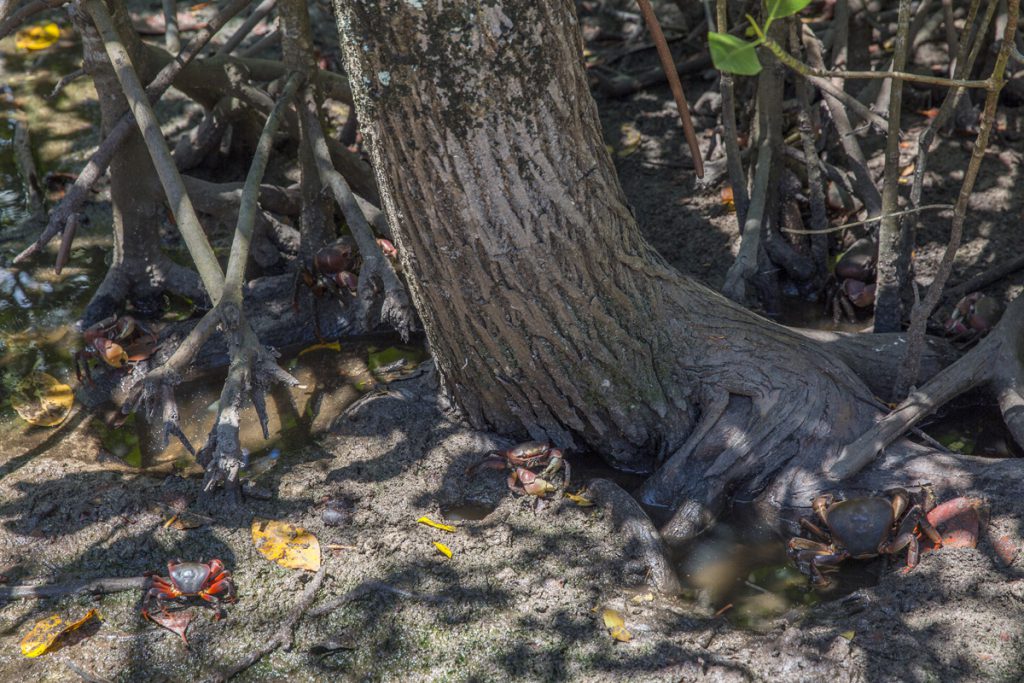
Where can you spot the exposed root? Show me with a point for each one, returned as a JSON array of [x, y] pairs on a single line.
[[639, 533], [396, 308]]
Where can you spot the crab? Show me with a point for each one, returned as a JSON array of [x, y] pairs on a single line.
[[206, 580], [332, 272], [860, 528], [973, 316], [853, 283], [520, 458], [117, 341]]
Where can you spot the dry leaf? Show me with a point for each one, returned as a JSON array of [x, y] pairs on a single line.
[[631, 139], [47, 631], [579, 500], [326, 346], [175, 622], [616, 626], [288, 545], [37, 37], [436, 525], [41, 400], [728, 201], [848, 634], [443, 549]]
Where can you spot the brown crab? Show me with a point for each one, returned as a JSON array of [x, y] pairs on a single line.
[[860, 528], [117, 341], [520, 458]]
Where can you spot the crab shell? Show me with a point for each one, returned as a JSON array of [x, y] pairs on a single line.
[[191, 577], [860, 524]]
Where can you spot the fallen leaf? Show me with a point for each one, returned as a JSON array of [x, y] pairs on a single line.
[[41, 400], [443, 549], [579, 500], [37, 37], [326, 346], [175, 622], [46, 632], [436, 525], [728, 201], [288, 545], [929, 113], [631, 139], [848, 634], [616, 626]]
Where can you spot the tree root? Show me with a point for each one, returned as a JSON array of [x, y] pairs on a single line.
[[640, 535], [396, 309], [284, 636]]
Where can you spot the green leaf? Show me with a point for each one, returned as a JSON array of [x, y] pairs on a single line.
[[733, 55], [777, 9]]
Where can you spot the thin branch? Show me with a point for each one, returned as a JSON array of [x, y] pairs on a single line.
[[733, 160], [893, 261], [920, 313], [844, 226], [171, 38], [257, 15], [64, 82], [185, 215], [669, 65], [77, 193]]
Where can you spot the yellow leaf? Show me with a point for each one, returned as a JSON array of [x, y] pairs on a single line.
[[288, 545], [616, 625], [41, 400], [37, 37], [436, 525], [728, 200], [443, 549], [631, 139], [326, 346], [848, 634], [47, 631], [579, 500]]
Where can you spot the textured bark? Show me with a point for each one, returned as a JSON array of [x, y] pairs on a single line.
[[546, 311]]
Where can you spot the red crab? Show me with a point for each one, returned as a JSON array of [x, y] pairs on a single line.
[[520, 458], [206, 580], [117, 340]]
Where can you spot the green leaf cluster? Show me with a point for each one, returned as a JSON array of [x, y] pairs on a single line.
[[737, 56]]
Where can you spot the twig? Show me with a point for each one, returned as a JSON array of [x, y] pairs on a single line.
[[733, 157], [868, 221], [893, 261], [181, 206], [284, 636], [171, 39], [100, 159], [85, 675], [922, 311], [272, 38], [64, 82], [813, 164], [397, 309], [258, 14], [669, 65], [60, 590], [993, 274], [368, 587]]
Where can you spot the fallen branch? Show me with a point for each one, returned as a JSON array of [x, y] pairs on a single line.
[[284, 636], [85, 586]]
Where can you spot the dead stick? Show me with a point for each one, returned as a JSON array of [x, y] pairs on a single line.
[[669, 65], [60, 590], [284, 635]]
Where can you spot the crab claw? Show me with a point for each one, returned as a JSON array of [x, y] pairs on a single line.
[[532, 484], [387, 248], [112, 353]]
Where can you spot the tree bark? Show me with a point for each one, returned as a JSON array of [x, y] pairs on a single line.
[[548, 314]]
